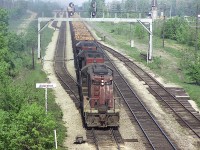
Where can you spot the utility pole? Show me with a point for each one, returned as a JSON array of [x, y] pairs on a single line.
[[163, 34], [197, 24], [33, 62]]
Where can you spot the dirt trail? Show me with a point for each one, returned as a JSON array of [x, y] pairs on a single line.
[[23, 26]]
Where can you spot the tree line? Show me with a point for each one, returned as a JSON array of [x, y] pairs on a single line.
[[24, 124], [171, 8]]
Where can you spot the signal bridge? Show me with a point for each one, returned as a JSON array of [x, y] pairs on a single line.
[[142, 21]]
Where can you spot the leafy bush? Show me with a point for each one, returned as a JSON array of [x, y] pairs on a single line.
[[172, 26], [179, 30], [193, 71], [139, 31], [190, 64]]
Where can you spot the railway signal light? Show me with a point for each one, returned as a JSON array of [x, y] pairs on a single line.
[[71, 9], [71, 5], [93, 8]]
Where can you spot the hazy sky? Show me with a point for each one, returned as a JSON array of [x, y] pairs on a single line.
[[76, 2]]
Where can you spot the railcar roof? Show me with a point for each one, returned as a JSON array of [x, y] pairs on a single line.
[[86, 43]]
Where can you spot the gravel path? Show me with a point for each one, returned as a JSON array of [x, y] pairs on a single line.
[[71, 117], [22, 27]]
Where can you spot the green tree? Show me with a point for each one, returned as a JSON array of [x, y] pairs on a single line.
[[177, 29], [16, 42], [12, 98], [182, 33], [4, 129], [193, 70], [32, 129], [4, 54]]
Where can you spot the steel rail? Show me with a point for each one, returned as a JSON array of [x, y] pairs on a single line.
[[113, 134], [163, 88], [143, 107], [57, 67]]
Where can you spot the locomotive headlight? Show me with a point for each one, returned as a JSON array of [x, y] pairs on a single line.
[[102, 82]]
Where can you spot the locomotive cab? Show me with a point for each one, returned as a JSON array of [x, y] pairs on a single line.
[[99, 104]]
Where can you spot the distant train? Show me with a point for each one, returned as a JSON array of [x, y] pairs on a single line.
[[99, 107]]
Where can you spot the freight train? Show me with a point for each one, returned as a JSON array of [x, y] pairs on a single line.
[[99, 106]]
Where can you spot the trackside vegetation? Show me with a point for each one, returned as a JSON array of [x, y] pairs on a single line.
[[177, 62], [24, 124]]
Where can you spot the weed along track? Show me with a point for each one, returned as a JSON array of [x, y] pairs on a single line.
[[153, 132], [175, 101]]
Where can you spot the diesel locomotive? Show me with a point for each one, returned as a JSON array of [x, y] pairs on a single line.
[[98, 103]]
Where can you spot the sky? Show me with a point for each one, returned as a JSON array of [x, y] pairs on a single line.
[[76, 2]]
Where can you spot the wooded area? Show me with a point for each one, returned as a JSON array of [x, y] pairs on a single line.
[[24, 124]]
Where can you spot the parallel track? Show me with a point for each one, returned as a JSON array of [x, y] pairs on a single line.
[[155, 135], [67, 81], [189, 118]]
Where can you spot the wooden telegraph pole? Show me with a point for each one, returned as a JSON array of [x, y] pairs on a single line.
[[197, 24], [33, 62], [163, 35]]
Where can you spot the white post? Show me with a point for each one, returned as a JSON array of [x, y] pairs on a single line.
[[38, 39], [150, 41], [55, 139], [46, 99], [45, 86], [132, 43]]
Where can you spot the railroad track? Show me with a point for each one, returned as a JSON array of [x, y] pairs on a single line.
[[154, 134], [70, 85], [157, 138], [187, 116], [66, 80], [105, 139]]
